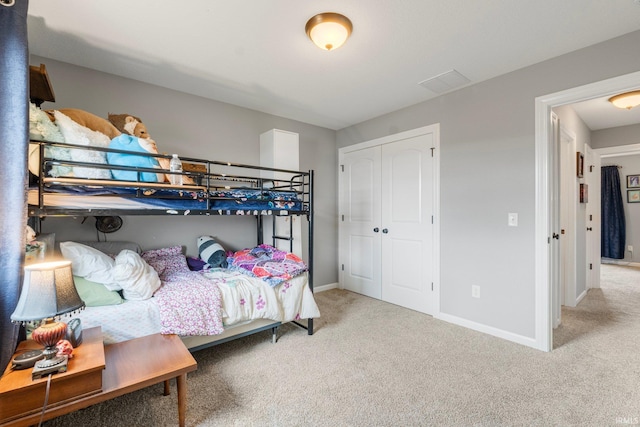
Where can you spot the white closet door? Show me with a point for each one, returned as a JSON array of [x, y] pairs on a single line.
[[406, 223], [361, 210]]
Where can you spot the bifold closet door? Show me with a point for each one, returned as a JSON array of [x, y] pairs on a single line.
[[360, 223], [406, 223], [386, 229]]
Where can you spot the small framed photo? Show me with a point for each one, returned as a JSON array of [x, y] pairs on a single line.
[[580, 164], [584, 193], [633, 196], [633, 181]]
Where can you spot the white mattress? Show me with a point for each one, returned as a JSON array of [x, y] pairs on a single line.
[[123, 322], [85, 202]]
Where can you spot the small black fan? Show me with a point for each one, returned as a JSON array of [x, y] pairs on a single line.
[[108, 224]]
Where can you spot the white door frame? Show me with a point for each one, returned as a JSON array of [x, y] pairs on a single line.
[[556, 224], [545, 177], [592, 264]]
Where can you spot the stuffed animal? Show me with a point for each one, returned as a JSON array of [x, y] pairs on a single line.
[[132, 125], [212, 252], [129, 124], [64, 348], [88, 120], [140, 145], [30, 235]]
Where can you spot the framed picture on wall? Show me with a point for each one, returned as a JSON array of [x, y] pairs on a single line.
[[584, 193], [580, 164], [633, 181], [633, 196]]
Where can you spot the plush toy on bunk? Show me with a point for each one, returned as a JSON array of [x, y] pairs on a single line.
[[78, 127]]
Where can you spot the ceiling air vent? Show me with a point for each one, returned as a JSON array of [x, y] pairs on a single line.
[[445, 82]]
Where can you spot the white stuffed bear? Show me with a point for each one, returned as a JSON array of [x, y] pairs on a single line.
[[30, 235]]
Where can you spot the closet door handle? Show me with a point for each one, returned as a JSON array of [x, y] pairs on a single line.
[[589, 229], [375, 230], [385, 231]]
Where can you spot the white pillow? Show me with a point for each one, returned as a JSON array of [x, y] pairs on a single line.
[[90, 263], [42, 128], [77, 134], [137, 279]]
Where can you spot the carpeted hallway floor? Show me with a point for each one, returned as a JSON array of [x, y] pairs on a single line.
[[375, 364]]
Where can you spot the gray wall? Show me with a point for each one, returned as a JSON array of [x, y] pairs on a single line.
[[488, 170], [196, 127], [613, 137]]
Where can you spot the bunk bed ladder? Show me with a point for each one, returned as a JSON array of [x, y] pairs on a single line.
[[288, 237]]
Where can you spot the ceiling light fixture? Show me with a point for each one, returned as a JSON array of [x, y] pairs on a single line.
[[329, 30], [626, 100]]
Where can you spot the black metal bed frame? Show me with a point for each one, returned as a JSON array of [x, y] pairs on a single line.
[[219, 175]]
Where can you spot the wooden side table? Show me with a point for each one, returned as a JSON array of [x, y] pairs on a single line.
[[129, 366], [20, 396]]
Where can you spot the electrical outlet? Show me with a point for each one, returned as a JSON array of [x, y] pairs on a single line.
[[512, 219], [475, 291], [630, 248]]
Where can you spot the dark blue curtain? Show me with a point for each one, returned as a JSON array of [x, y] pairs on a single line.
[[14, 135], [613, 223]]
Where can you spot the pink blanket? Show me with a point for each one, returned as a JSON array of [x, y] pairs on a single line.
[[189, 304]]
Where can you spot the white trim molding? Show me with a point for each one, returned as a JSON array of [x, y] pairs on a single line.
[[326, 287], [490, 330], [544, 174]]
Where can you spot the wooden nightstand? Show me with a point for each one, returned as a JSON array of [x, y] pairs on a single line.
[[20, 396], [128, 366]]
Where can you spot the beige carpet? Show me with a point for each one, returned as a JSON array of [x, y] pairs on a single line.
[[375, 364]]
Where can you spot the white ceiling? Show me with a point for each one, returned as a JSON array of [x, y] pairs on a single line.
[[599, 113], [255, 53]]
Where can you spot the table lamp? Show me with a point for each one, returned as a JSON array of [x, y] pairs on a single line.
[[48, 292]]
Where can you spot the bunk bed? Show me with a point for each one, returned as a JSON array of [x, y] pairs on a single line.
[[59, 187]]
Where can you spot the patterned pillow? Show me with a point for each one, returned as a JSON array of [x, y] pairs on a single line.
[[166, 261], [172, 250]]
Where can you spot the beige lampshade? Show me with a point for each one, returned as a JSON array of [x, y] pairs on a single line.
[[329, 30], [48, 291]]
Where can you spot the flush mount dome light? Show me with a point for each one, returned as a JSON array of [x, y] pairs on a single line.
[[626, 100], [329, 30]]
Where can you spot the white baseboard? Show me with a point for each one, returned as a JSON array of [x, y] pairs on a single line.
[[509, 336], [580, 297], [325, 287]]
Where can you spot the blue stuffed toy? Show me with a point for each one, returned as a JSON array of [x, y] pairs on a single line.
[[133, 143]]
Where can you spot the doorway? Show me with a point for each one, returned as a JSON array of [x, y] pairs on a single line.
[[547, 184]]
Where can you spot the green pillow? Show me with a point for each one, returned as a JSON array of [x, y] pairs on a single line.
[[95, 294]]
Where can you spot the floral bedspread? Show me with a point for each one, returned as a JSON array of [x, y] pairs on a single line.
[[248, 298], [268, 263], [189, 304]]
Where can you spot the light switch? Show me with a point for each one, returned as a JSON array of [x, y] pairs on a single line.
[[513, 219]]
